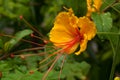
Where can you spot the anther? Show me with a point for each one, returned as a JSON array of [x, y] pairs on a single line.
[[21, 17]]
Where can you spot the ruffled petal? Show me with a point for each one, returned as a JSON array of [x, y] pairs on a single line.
[[71, 49], [83, 46], [64, 28], [87, 27], [93, 6]]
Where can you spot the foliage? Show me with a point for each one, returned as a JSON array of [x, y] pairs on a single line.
[[20, 59]]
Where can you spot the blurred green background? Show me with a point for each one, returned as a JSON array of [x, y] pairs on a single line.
[[94, 64]]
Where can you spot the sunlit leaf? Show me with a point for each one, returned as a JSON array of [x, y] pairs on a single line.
[[18, 36], [103, 21]]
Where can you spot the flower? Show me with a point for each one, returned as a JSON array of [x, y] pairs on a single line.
[[69, 32], [93, 6]]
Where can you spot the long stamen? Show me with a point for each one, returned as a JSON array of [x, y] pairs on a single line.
[[62, 65], [47, 63], [32, 42], [57, 57], [27, 55], [37, 37], [49, 56], [32, 35], [22, 39], [28, 49], [29, 25]]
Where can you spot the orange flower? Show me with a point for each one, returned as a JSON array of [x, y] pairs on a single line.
[[69, 32], [93, 6]]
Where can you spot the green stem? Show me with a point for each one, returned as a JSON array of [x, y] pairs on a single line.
[[108, 33], [114, 59], [114, 62]]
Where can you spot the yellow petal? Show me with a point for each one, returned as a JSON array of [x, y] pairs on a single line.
[[64, 28], [83, 45], [71, 49], [87, 27], [97, 4], [93, 6]]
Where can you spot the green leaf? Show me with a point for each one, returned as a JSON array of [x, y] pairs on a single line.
[[17, 75], [35, 76], [103, 21], [79, 9], [4, 66], [80, 70], [18, 36], [107, 3]]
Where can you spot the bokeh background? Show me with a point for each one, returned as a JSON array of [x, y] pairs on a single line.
[[94, 64]]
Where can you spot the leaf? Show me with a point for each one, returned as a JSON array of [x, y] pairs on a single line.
[[79, 9], [33, 60], [18, 36], [35, 76], [103, 21], [4, 66], [17, 75], [107, 3], [79, 70]]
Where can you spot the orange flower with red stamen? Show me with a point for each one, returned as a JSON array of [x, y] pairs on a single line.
[[69, 32], [93, 6]]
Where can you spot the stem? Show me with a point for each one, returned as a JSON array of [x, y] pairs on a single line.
[[114, 59], [113, 64]]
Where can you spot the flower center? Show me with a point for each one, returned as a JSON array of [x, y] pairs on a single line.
[[77, 40]]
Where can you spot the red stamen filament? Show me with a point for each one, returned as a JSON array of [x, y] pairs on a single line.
[[38, 37], [50, 56], [79, 37], [22, 39], [34, 29], [47, 63], [28, 49]]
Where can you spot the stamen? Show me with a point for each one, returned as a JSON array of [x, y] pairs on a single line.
[[47, 63], [32, 42], [28, 49], [51, 67], [62, 65], [45, 41], [22, 39], [49, 56], [29, 25], [28, 55]]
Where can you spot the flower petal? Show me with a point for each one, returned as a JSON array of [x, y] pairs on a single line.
[[71, 49], [93, 6], [87, 27], [64, 28], [83, 45]]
